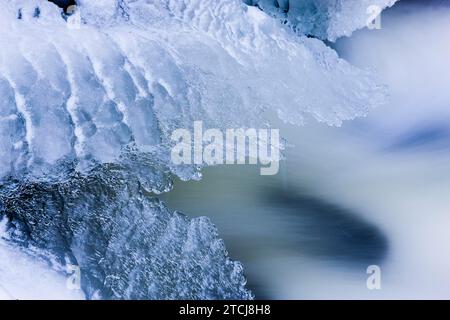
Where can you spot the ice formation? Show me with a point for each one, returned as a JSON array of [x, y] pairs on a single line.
[[132, 73], [127, 244], [88, 105], [325, 19]]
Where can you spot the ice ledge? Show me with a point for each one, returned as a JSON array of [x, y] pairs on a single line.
[[324, 19]]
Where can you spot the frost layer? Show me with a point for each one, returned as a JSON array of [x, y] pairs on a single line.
[[325, 19]]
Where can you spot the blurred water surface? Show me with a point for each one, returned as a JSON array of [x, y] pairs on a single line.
[[373, 192]]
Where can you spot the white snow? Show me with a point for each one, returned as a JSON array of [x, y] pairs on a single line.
[[25, 277]]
